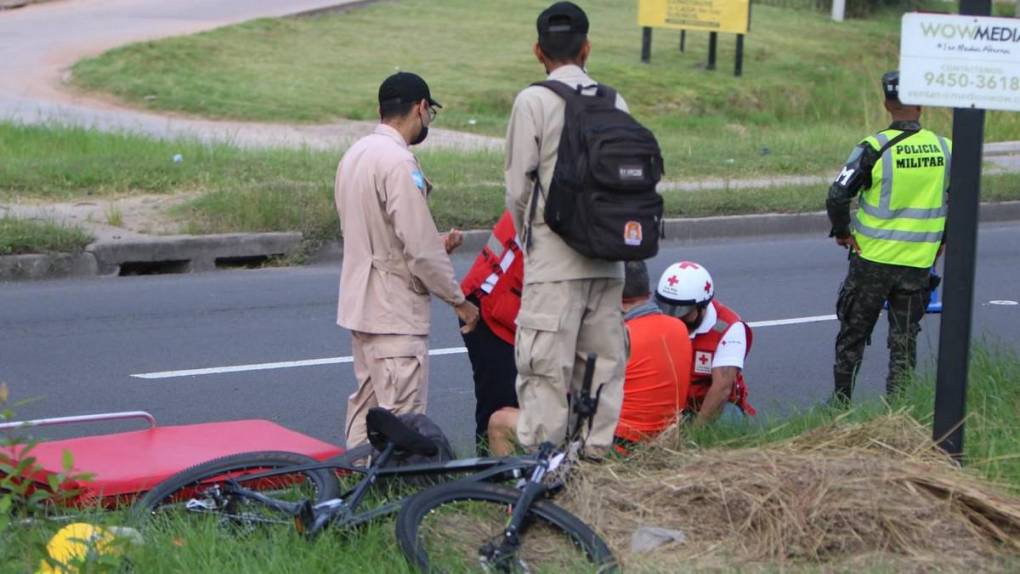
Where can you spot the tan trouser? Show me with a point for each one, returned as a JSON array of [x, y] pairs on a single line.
[[558, 325], [392, 372]]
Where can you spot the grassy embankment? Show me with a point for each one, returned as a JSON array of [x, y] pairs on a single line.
[[804, 101], [992, 448], [282, 190], [809, 93]]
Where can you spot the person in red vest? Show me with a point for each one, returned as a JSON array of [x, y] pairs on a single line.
[[494, 284], [658, 373], [720, 340]]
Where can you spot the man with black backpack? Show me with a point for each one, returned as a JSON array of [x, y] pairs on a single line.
[[580, 178]]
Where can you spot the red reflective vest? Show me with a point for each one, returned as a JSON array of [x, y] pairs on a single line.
[[497, 278], [704, 347]]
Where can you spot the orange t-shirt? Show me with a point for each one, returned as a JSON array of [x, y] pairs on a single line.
[[658, 376]]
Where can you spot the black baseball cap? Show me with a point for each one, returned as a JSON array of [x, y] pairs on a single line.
[[891, 85], [562, 18], [405, 87]]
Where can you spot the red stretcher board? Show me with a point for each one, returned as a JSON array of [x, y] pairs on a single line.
[[125, 464]]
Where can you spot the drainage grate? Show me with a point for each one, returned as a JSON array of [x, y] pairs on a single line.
[[154, 267], [246, 262]]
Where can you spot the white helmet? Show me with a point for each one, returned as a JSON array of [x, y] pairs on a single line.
[[682, 287]]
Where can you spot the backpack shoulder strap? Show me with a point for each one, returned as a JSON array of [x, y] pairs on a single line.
[[571, 95], [899, 137]]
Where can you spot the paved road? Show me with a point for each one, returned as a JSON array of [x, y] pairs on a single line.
[[73, 345], [41, 42]]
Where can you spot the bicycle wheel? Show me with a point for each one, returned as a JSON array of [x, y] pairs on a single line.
[[199, 490], [448, 528]]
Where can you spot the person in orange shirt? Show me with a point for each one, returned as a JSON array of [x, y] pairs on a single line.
[[658, 372], [659, 369]]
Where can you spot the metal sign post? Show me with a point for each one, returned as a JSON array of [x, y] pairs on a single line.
[[958, 289]]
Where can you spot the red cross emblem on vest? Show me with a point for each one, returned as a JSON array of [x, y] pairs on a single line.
[[672, 280], [703, 359]]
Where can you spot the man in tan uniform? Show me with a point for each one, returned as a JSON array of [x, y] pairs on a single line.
[[571, 304], [393, 257]]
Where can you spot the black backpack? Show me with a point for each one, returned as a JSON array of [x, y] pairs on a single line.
[[602, 199]]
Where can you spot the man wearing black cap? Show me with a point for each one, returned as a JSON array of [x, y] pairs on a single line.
[[393, 257], [571, 303], [902, 174]]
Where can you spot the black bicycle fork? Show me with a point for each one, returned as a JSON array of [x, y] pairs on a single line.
[[506, 549]]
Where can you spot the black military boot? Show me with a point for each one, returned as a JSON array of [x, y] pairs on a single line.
[[843, 392]]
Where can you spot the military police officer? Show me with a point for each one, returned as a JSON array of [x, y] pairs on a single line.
[[902, 174], [393, 257]]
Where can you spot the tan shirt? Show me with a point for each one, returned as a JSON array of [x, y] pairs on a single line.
[[532, 142], [392, 254]]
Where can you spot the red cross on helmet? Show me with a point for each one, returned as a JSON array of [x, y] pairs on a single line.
[[684, 286]]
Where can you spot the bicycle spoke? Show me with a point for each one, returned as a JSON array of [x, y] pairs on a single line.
[[468, 534]]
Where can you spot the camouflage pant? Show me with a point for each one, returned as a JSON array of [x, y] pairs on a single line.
[[867, 287]]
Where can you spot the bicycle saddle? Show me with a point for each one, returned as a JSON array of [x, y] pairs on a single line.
[[384, 426]]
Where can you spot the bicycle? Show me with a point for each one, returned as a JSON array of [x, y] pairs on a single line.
[[430, 523], [237, 490]]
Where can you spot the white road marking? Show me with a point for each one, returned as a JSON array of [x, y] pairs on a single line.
[[271, 366], [1005, 302], [794, 321], [432, 352]]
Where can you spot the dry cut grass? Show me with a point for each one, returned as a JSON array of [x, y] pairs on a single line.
[[844, 497]]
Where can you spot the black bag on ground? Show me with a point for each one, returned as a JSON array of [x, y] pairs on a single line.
[[602, 199], [424, 426]]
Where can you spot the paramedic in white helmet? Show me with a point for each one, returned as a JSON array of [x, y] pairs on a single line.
[[720, 340]]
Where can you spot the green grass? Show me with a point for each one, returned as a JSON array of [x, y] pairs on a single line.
[[809, 93], [18, 236], [240, 190], [992, 447]]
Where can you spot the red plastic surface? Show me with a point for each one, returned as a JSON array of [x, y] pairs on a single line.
[[124, 464]]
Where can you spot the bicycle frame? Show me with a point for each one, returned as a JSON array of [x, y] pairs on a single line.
[[312, 518]]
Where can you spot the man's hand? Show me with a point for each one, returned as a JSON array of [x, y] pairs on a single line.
[[468, 314], [452, 240], [849, 242]]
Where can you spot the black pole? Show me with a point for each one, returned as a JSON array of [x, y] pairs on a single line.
[[713, 39], [738, 65], [683, 39], [646, 44], [961, 248]]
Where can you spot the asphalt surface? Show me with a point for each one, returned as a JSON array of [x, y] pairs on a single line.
[[70, 347]]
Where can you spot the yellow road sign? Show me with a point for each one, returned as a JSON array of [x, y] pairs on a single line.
[[733, 16]]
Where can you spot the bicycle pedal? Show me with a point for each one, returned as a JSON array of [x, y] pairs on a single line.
[[304, 520]]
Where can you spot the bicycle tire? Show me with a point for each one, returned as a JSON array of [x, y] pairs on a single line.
[[234, 467], [594, 554]]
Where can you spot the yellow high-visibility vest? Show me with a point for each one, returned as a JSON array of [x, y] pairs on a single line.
[[901, 218]]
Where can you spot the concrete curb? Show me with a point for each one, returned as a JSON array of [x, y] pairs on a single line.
[[47, 266], [182, 254], [186, 253], [171, 254]]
